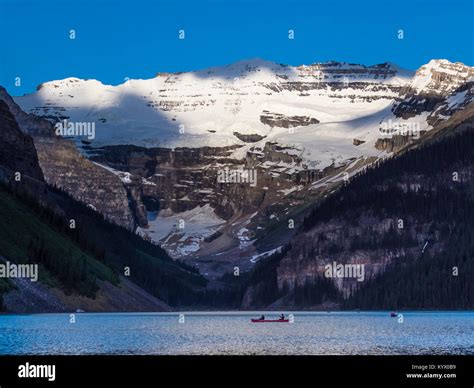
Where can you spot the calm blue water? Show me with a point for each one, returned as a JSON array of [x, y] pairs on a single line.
[[232, 333]]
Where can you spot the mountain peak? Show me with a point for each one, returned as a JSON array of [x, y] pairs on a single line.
[[69, 82], [440, 75]]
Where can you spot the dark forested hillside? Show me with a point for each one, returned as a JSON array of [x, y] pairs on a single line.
[[150, 266], [409, 220], [390, 186], [439, 281]]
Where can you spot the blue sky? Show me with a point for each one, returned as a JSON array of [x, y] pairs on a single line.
[[137, 39]]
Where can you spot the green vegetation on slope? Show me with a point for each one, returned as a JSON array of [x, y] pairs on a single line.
[[174, 282], [74, 259], [27, 235]]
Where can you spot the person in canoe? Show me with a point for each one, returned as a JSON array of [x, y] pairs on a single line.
[[262, 318], [282, 317]]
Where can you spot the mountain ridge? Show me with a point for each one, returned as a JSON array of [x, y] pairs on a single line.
[[303, 129], [259, 62]]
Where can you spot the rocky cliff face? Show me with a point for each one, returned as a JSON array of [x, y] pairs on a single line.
[[27, 122], [174, 183], [18, 160], [65, 168]]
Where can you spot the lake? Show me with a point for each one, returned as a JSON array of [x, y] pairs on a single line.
[[232, 333]]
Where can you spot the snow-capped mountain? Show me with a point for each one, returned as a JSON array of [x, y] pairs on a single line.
[[304, 129], [213, 107], [438, 89], [207, 107]]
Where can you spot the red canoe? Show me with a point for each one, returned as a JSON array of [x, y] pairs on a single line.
[[269, 320]]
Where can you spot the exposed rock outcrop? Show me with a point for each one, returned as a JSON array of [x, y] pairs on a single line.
[[250, 138], [27, 122], [65, 168], [18, 160], [280, 120]]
